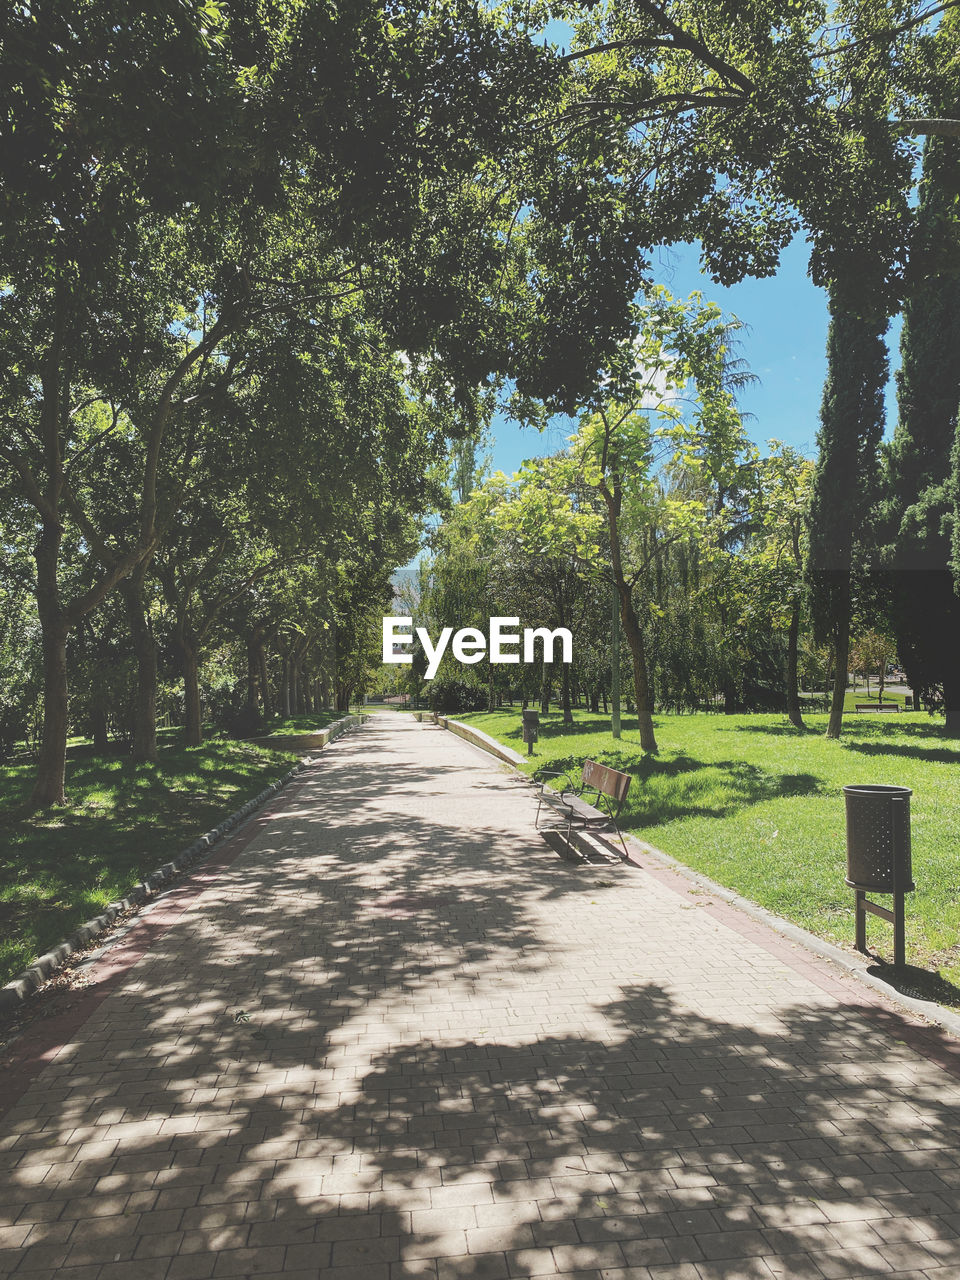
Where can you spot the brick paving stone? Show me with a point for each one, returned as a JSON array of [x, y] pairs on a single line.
[[461, 1056]]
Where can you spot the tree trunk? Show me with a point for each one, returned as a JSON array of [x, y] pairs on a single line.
[[630, 625], [253, 719], [545, 692], [265, 693], [565, 695], [98, 726], [641, 685], [793, 688], [285, 690], [191, 693], [49, 786], [145, 649], [296, 706], [841, 659], [951, 706]]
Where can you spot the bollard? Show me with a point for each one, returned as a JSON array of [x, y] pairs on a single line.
[[531, 728]]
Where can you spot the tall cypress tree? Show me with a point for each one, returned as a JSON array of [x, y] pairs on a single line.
[[845, 481], [919, 498]]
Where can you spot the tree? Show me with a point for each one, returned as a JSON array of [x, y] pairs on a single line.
[[780, 503], [667, 402], [547, 551], [173, 179], [919, 508], [845, 483], [874, 651]]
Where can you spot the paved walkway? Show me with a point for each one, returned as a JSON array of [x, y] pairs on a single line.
[[398, 1036]]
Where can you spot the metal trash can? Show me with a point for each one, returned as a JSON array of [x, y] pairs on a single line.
[[531, 728], [878, 858], [878, 838]]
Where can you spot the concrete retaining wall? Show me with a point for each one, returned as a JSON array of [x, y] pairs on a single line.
[[471, 734]]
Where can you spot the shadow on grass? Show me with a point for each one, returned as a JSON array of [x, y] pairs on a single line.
[[939, 755], [773, 730], [685, 787], [853, 728], [61, 866], [552, 726]]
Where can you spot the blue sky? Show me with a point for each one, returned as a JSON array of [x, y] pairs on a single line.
[[784, 345]]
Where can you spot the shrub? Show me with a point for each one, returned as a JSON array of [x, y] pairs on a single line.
[[449, 695]]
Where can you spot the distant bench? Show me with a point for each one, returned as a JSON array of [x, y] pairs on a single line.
[[877, 706], [611, 789]]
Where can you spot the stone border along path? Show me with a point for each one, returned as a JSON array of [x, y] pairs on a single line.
[[24, 984], [397, 1036]]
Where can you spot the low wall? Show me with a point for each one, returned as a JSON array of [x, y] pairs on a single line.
[[311, 741], [476, 736]]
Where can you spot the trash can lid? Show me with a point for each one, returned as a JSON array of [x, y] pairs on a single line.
[[876, 789]]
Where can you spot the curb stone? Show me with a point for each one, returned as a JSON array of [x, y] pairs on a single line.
[[19, 988], [929, 1010]]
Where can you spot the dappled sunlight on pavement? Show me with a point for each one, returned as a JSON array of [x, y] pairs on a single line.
[[398, 1036]]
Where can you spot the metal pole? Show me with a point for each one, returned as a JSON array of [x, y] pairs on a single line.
[[860, 921], [615, 662], [899, 923]]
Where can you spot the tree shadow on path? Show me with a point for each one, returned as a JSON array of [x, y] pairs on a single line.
[[406, 1055]]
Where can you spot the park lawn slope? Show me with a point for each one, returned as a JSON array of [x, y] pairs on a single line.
[[758, 806], [63, 866], [311, 723]]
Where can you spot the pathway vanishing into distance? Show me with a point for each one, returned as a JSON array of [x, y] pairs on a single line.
[[399, 1036]]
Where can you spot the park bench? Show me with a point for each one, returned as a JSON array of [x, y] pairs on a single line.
[[611, 790], [877, 706]]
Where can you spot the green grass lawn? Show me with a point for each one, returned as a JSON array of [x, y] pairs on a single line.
[[757, 805], [60, 868], [861, 696]]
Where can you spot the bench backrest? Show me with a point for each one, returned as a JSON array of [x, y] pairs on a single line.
[[605, 780]]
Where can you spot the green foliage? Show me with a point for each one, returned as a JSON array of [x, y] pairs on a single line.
[[919, 509], [845, 481], [757, 119], [451, 694]]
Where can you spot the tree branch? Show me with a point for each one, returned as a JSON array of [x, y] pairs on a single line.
[[31, 487], [890, 33], [945, 128], [681, 40]]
